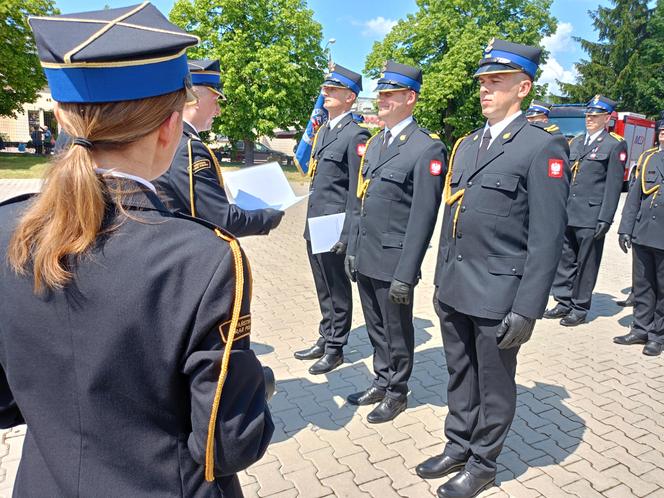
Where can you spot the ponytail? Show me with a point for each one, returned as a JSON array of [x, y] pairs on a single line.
[[65, 219]]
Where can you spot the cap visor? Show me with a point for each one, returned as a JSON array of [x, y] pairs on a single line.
[[389, 87], [496, 69], [334, 84], [596, 111]]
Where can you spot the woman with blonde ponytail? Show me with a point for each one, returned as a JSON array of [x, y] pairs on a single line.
[[124, 330]]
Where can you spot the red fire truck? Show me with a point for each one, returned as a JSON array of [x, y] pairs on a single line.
[[638, 132]]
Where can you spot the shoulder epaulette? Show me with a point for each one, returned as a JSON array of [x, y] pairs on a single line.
[[616, 136], [17, 198], [431, 134], [552, 129]]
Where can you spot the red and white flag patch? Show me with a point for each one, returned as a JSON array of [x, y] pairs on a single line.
[[623, 156], [556, 168], [435, 167], [361, 149]]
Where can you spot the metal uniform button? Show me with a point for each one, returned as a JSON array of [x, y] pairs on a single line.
[[459, 235], [463, 209], [470, 183], [654, 217], [498, 183], [391, 175], [656, 205], [574, 194], [513, 270], [373, 175], [364, 232], [459, 257]]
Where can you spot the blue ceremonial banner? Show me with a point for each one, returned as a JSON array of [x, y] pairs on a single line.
[[317, 119]]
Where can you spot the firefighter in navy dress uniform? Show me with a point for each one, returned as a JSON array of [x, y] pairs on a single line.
[[194, 184], [335, 161], [598, 166], [505, 196], [642, 230], [124, 342], [399, 191]]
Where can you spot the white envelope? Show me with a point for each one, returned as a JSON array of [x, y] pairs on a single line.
[[258, 187], [325, 231]]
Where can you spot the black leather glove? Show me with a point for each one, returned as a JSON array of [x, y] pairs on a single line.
[[625, 242], [400, 292], [601, 229], [350, 268], [515, 330], [274, 217], [270, 384], [339, 248]]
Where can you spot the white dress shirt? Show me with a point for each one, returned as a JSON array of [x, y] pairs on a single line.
[[398, 128], [498, 128], [120, 174]]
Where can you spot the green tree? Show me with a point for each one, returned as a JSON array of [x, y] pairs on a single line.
[[615, 63], [21, 76], [649, 87], [446, 38], [271, 60]]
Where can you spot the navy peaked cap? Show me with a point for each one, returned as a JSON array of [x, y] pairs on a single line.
[[206, 72], [112, 55], [538, 107], [339, 76], [501, 56], [600, 105], [397, 76]]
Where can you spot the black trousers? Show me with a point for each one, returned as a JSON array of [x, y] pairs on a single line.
[[335, 298], [648, 288], [481, 393], [391, 333], [577, 270]]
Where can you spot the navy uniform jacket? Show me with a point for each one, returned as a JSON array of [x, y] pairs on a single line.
[[398, 211], [337, 154], [643, 214], [210, 200], [596, 186], [115, 375], [503, 251]]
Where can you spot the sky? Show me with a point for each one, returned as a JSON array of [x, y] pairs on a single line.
[[356, 24]]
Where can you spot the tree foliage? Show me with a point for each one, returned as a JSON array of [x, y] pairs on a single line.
[[616, 64], [271, 60], [21, 76], [446, 39]]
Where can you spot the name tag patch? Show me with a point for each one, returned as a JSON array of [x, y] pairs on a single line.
[[555, 168], [243, 328], [435, 167]]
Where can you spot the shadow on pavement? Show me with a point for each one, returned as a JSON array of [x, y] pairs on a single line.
[[603, 305]]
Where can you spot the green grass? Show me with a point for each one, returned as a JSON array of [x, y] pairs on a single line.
[[22, 165], [15, 166]]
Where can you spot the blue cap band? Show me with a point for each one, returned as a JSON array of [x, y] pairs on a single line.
[[528, 66], [599, 105], [205, 79], [538, 108], [400, 78], [115, 84], [345, 81]]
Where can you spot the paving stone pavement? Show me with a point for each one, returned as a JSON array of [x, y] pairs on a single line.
[[590, 415]]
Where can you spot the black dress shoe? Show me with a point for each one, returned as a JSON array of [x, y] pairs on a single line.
[[629, 301], [652, 348], [629, 339], [387, 410], [368, 397], [557, 312], [313, 353], [464, 485], [327, 363], [438, 466], [572, 320]]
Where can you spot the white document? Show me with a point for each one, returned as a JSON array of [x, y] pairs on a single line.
[[325, 231], [258, 187]]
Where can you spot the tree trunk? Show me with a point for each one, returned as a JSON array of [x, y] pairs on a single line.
[[248, 152]]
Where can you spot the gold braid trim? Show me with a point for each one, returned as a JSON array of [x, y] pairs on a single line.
[[217, 166], [448, 197], [575, 169], [654, 190], [192, 203], [237, 306], [637, 169], [362, 184], [314, 162]]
